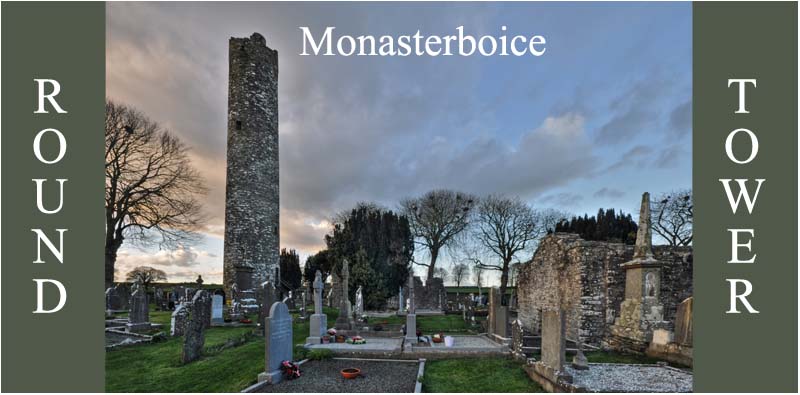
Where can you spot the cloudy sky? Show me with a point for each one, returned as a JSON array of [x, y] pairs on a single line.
[[603, 116]]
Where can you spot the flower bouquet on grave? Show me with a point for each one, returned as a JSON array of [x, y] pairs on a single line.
[[326, 339], [332, 332], [290, 369], [245, 320], [356, 340], [438, 338]]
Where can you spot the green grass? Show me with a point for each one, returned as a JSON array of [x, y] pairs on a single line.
[[477, 375], [453, 323], [157, 367]]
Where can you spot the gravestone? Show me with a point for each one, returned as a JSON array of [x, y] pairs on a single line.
[[139, 317], [359, 302], [198, 317], [641, 312], [498, 314], [411, 317], [111, 300], [216, 310], [517, 339], [278, 343], [553, 339], [683, 322], [178, 319], [267, 296], [319, 322], [345, 313]]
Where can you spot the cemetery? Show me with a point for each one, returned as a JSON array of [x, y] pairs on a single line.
[[582, 316]]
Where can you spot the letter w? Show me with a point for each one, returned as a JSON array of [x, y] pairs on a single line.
[[726, 183]]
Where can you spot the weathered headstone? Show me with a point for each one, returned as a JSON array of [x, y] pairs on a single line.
[[411, 317], [267, 296], [216, 310], [345, 313], [278, 343], [683, 322], [139, 317], [319, 321], [194, 336], [553, 339], [498, 314], [179, 319]]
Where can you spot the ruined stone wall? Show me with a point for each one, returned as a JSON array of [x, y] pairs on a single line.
[[585, 279], [252, 194]]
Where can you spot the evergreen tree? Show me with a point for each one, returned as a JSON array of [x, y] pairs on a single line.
[[291, 276], [378, 237], [607, 225]]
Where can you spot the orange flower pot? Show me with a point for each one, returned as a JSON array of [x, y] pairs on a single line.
[[351, 373]]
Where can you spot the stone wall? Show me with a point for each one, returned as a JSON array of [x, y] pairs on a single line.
[[584, 278], [252, 194]]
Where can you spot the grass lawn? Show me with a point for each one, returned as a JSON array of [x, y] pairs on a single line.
[[157, 367], [477, 375], [452, 323]]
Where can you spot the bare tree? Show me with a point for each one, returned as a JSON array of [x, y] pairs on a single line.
[[504, 227], [460, 273], [436, 219], [152, 191], [672, 214], [548, 219], [146, 275]]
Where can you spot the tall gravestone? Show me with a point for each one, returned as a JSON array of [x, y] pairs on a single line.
[[345, 313], [641, 312], [139, 316], [683, 323], [550, 372], [498, 314], [411, 317], [252, 197], [319, 321], [216, 310], [278, 343], [196, 324], [268, 296]]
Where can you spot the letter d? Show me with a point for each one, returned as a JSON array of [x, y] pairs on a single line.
[[62, 298]]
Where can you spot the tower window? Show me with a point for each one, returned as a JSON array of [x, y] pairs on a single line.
[[238, 125]]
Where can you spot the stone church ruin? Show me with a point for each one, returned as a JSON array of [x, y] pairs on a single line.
[[587, 280]]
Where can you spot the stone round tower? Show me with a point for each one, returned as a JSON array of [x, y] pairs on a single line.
[[252, 186]]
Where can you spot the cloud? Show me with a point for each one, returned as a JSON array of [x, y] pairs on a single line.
[[680, 120], [606, 192], [379, 129]]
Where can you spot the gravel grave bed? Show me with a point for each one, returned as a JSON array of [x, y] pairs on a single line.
[[324, 376]]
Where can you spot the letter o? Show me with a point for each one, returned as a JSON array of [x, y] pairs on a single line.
[[753, 146], [62, 146]]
